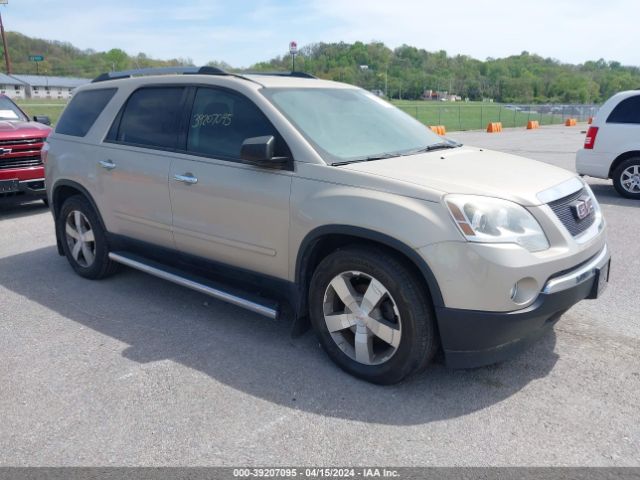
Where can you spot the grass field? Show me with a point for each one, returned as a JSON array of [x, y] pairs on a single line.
[[454, 116], [476, 115], [43, 106]]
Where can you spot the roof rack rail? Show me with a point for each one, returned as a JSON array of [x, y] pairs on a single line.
[[294, 74], [159, 71], [191, 71]]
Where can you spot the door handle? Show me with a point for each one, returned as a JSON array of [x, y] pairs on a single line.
[[108, 164], [187, 178]]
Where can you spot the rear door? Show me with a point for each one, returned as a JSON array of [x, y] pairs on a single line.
[[222, 209], [135, 164], [621, 133]]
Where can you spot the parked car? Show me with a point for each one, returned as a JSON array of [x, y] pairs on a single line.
[[269, 191], [21, 140], [612, 145]]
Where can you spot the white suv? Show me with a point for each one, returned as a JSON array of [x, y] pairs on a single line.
[[612, 145], [267, 191]]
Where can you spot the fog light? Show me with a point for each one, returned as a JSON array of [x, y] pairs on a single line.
[[524, 291]]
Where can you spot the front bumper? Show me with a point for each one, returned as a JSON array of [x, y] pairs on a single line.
[[473, 338], [31, 188]]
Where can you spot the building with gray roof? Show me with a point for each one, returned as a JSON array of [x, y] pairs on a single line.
[[44, 86], [12, 87]]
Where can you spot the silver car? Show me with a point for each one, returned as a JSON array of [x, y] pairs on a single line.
[[320, 202]]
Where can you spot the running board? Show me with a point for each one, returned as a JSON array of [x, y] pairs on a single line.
[[194, 283]]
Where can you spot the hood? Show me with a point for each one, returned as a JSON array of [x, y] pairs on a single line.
[[12, 129], [472, 171]]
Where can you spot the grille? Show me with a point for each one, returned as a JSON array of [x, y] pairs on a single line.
[[21, 141], [20, 162], [564, 212], [25, 152]]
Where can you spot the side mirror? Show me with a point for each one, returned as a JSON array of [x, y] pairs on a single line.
[[259, 151], [44, 119]]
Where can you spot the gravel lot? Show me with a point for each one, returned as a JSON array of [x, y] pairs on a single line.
[[133, 370]]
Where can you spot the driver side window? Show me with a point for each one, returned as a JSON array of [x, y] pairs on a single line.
[[221, 120]]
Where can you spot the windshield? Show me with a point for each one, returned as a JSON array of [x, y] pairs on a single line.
[[346, 124], [10, 111]]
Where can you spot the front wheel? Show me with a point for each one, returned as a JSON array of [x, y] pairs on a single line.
[[626, 178], [372, 315]]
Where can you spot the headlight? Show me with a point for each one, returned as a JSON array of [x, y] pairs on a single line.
[[493, 220], [594, 200]]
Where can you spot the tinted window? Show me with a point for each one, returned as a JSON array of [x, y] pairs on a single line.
[[221, 120], [151, 117], [627, 111], [83, 110]]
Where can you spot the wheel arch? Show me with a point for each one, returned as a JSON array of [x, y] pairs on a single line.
[[621, 158], [325, 239]]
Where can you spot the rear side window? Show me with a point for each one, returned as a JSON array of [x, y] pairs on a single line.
[[83, 110], [221, 120], [627, 111], [151, 118]]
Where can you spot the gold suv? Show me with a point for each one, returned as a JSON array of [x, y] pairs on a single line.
[[283, 190]]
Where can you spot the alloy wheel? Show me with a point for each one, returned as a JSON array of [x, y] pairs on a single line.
[[80, 238], [362, 317], [630, 179]]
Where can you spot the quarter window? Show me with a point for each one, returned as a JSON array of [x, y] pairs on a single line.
[[221, 120], [627, 111], [151, 117], [83, 110]]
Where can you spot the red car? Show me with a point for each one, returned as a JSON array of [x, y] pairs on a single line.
[[21, 140]]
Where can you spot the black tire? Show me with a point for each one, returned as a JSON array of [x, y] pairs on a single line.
[[418, 341], [100, 266], [617, 177]]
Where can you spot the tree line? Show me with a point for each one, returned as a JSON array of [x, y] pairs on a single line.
[[404, 72], [64, 59]]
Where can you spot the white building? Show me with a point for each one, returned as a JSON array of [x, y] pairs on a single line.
[[11, 87], [42, 86]]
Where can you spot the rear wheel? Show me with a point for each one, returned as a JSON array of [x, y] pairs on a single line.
[[626, 178], [83, 239], [372, 315]]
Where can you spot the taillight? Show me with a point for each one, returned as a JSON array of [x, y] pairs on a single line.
[[44, 152], [590, 139]]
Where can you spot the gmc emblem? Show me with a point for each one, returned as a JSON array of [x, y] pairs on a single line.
[[4, 151], [582, 208]]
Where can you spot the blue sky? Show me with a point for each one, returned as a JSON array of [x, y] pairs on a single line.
[[244, 32]]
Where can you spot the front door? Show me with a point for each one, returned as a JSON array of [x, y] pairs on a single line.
[[224, 210]]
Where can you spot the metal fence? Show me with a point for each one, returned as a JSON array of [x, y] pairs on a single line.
[[464, 116]]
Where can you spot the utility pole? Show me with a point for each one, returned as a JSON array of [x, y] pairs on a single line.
[[386, 82], [7, 60]]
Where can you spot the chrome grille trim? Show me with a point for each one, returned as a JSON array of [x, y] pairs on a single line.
[[562, 210], [21, 152]]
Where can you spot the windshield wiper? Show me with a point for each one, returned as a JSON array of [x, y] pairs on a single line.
[[368, 159], [434, 146], [428, 148]]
